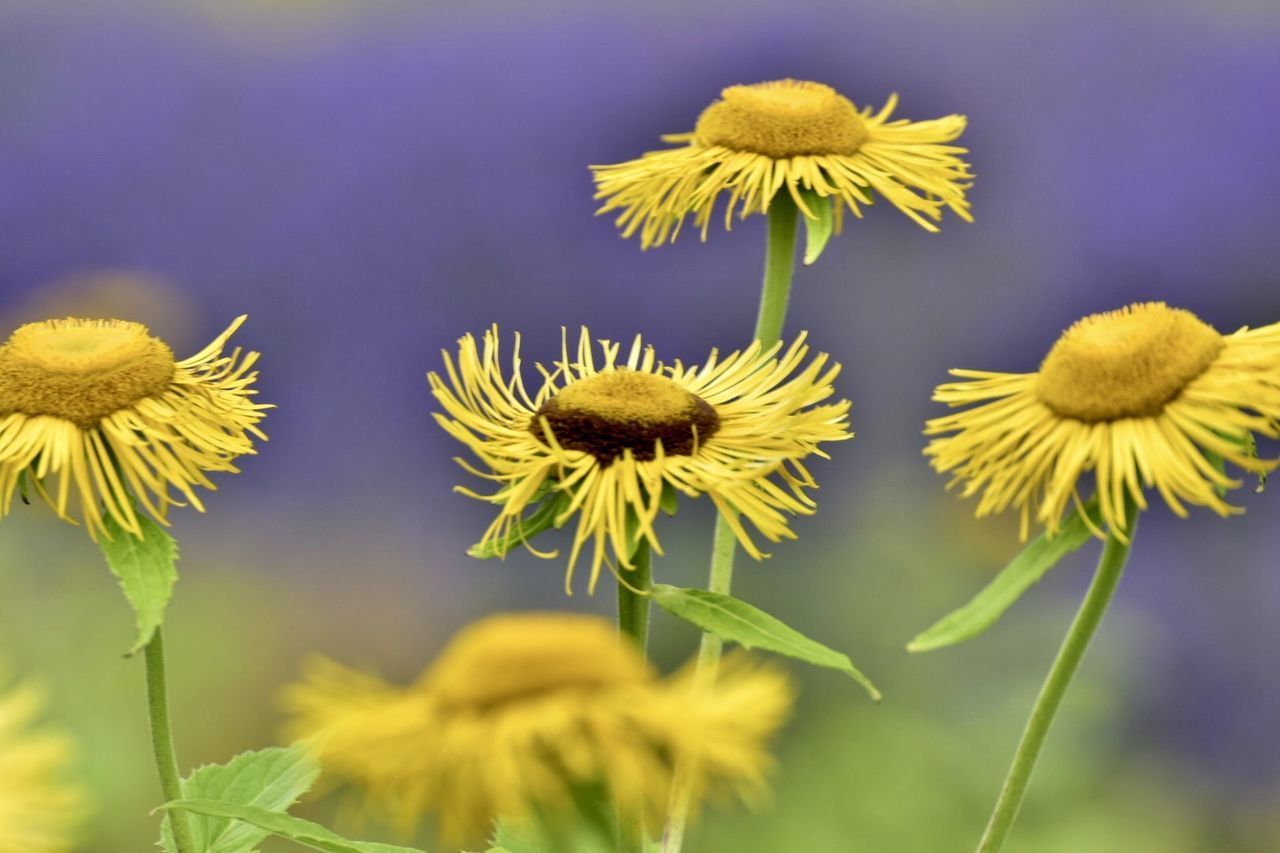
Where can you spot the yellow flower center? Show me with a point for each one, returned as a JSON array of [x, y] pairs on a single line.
[[782, 118], [513, 657], [610, 413], [81, 370], [1126, 364]]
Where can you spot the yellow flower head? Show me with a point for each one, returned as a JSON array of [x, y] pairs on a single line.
[[606, 438], [1145, 396], [103, 407], [521, 709], [39, 811], [758, 139]]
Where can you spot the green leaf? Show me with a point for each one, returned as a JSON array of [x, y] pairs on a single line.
[[509, 838], [750, 627], [270, 779], [146, 568], [580, 835], [1220, 465], [1251, 447], [304, 832], [1040, 555], [541, 519], [817, 230], [669, 502]]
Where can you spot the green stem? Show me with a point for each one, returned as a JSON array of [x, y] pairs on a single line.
[[779, 265], [633, 602], [162, 743], [633, 623], [1105, 580], [721, 579]]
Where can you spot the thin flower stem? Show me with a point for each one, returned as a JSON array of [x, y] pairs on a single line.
[[162, 743], [779, 265], [1105, 580], [633, 602], [633, 623]]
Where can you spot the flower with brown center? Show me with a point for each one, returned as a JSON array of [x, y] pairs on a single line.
[[1147, 396], [611, 442], [103, 408], [793, 135], [521, 710]]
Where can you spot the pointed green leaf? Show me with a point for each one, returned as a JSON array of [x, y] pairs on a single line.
[[670, 500], [541, 519], [303, 832], [1251, 448], [580, 836], [1220, 465], [510, 838], [817, 230], [1040, 555], [271, 779], [1248, 446], [739, 622], [147, 571]]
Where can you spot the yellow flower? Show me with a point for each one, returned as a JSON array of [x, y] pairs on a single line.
[[521, 709], [103, 407], [39, 811], [795, 134], [1147, 396], [607, 438]]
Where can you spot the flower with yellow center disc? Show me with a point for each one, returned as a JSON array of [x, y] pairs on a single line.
[[40, 812], [521, 709], [103, 408], [606, 438], [795, 135], [1147, 396]]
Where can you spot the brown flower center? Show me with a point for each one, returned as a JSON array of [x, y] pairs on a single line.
[[81, 370], [610, 413], [783, 118], [1126, 364]]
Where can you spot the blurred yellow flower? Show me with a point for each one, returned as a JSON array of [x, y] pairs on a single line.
[[1146, 396], [39, 811], [95, 401], [795, 134], [611, 436], [522, 709]]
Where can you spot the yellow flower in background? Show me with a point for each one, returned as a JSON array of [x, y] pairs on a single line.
[[102, 406], [608, 437], [1145, 396], [760, 139], [39, 811], [522, 709]]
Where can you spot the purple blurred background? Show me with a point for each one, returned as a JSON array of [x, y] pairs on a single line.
[[371, 181]]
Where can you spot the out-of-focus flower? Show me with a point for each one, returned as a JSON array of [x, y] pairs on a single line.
[[793, 134], [40, 812], [606, 439], [1146, 396], [522, 710], [102, 406]]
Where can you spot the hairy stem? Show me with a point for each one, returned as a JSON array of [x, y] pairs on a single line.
[[162, 743], [1101, 591], [779, 264], [633, 603]]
